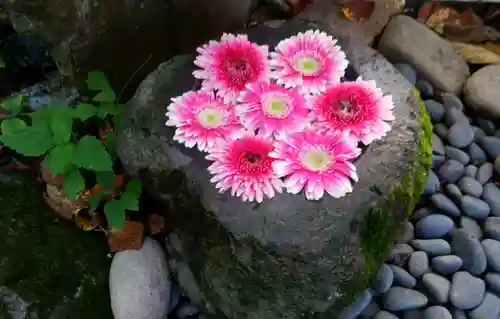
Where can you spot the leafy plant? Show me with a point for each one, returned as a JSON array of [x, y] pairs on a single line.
[[50, 132]]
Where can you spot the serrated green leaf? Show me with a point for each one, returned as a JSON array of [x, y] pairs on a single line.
[[111, 144], [129, 201], [134, 186], [61, 124], [84, 111], [109, 109], [106, 179], [91, 154], [42, 117], [59, 158], [105, 96], [115, 214], [13, 104], [12, 125], [32, 141], [97, 81], [73, 184]]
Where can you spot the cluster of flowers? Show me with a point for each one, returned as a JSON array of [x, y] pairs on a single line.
[[278, 120]]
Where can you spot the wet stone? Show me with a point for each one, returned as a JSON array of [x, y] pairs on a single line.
[[441, 130], [489, 308], [437, 145], [418, 264], [491, 195], [433, 247], [460, 135], [426, 89], [469, 248], [413, 314], [458, 313], [400, 254], [371, 310], [433, 226], [445, 205], [456, 154], [476, 153], [432, 185], [474, 207], [438, 286], [492, 227], [435, 110], [470, 186], [471, 171], [437, 312], [446, 265], [437, 161], [478, 133], [385, 315], [471, 226], [466, 291], [399, 298], [451, 171], [491, 248], [451, 101], [453, 192], [491, 145], [403, 277], [357, 307], [492, 280], [384, 279], [486, 125], [454, 116], [484, 173], [420, 213]]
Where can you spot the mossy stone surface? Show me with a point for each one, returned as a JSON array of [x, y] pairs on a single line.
[[60, 270], [286, 257]]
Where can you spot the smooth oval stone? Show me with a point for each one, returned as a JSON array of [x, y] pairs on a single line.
[[491, 248], [357, 307], [471, 171], [471, 226], [435, 110], [491, 145], [466, 290], [446, 265], [478, 133], [426, 90], [492, 227], [469, 248], [402, 277], [441, 130], [418, 264], [453, 116], [497, 165], [437, 312], [486, 125], [470, 186], [413, 314], [489, 308], [476, 154], [433, 226], [437, 145], [186, 311], [446, 205], [399, 254], [437, 161], [451, 101], [456, 154], [451, 171], [399, 298], [492, 280], [385, 315], [460, 135], [484, 173], [474, 207], [421, 213], [384, 279], [433, 247], [407, 71], [370, 311], [453, 192], [491, 195], [458, 313], [438, 286], [432, 185]]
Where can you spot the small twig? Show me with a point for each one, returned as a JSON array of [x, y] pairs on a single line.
[[134, 74]]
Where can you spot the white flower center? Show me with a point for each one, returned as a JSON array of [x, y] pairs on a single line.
[[210, 117], [277, 106], [316, 160], [307, 66]]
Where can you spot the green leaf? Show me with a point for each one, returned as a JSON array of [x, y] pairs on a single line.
[[91, 154], [129, 201], [109, 109], [32, 141], [105, 96], [84, 111], [115, 214], [95, 199], [42, 117], [13, 104], [106, 179], [61, 124], [12, 125], [134, 186], [73, 184], [111, 144], [59, 158], [97, 81]]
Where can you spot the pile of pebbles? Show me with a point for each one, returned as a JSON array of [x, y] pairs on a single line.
[[446, 263]]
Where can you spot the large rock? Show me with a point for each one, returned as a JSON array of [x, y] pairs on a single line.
[[481, 91], [287, 256], [139, 283], [409, 40], [118, 37]]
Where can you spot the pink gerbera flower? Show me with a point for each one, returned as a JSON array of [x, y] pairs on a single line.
[[244, 166], [309, 61], [316, 162], [272, 108], [228, 65], [359, 108], [202, 119]]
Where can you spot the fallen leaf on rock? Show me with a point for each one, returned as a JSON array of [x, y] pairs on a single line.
[[493, 47], [440, 15], [358, 10], [156, 224], [63, 206], [85, 220], [475, 54], [470, 34], [425, 11], [129, 237]]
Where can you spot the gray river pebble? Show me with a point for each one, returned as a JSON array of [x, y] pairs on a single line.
[[466, 290], [468, 247], [454, 116], [446, 265], [403, 277], [384, 279], [438, 286], [456, 154], [446, 205], [460, 134], [476, 153], [432, 185], [471, 171], [470, 226], [492, 280], [437, 312], [451, 171], [488, 309], [474, 207], [433, 226], [385, 315], [357, 307], [491, 195], [484, 173], [399, 298], [433, 247], [435, 110], [470, 186], [486, 125], [425, 88], [418, 264], [478, 133], [437, 161], [399, 254], [437, 145], [451, 101], [440, 130], [491, 145], [491, 248], [453, 192], [492, 227]]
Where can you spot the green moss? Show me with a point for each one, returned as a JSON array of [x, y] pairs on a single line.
[[50, 263]]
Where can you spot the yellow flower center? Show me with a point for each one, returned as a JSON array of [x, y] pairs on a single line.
[[307, 66], [317, 160], [210, 117]]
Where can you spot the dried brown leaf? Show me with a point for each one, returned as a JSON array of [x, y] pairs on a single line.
[[129, 237], [425, 11], [476, 54], [63, 206], [156, 224], [493, 47], [470, 34], [358, 10], [440, 16]]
